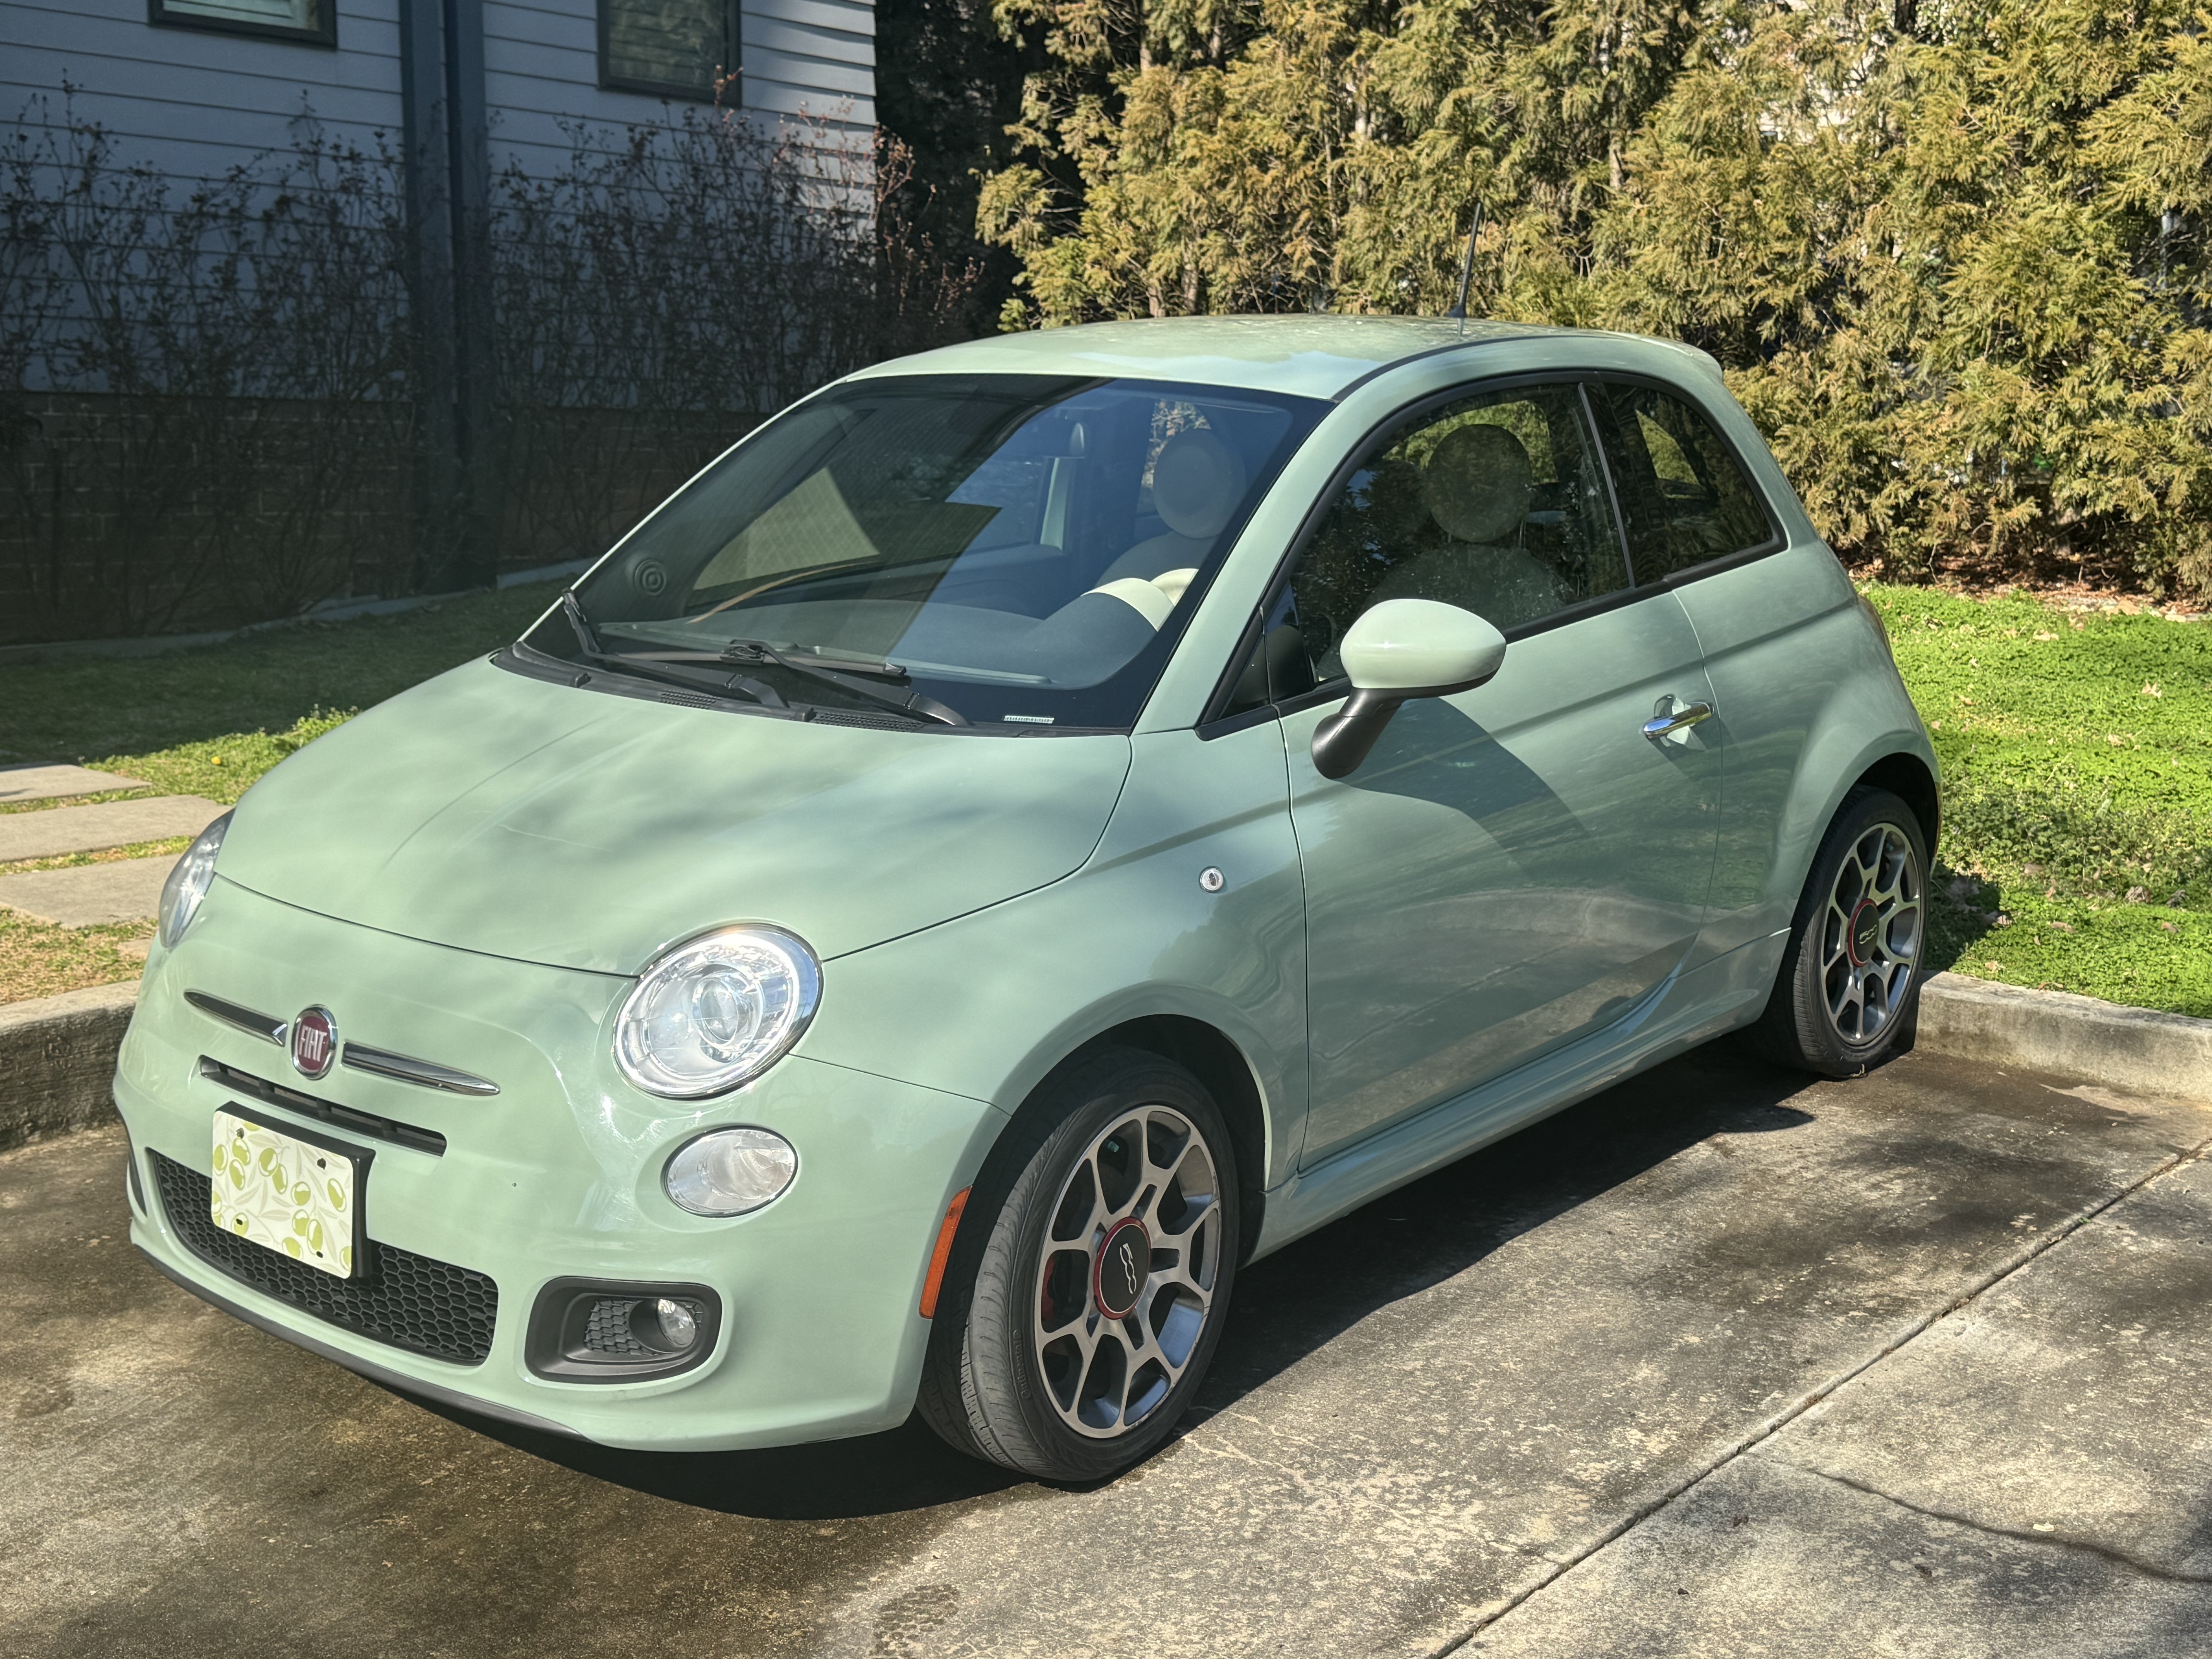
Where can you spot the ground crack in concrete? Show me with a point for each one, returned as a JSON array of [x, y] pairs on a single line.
[[2055, 1540], [1780, 1420]]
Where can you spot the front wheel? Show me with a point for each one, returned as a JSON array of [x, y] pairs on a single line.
[[1849, 988], [1082, 1320]]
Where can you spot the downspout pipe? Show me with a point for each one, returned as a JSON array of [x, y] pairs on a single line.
[[448, 174]]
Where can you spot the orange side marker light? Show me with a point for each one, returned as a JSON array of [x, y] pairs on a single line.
[[943, 1252]]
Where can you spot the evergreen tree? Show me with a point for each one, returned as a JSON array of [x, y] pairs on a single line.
[[1951, 254]]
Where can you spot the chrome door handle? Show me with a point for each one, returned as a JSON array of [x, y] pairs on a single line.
[[1680, 718]]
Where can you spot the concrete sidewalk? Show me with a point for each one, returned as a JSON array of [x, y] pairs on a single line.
[[26, 783], [1718, 1363], [2032, 1476], [60, 829], [86, 896], [89, 894]]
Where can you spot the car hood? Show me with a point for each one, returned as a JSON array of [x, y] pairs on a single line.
[[506, 814]]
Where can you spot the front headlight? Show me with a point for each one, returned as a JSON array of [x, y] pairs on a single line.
[[716, 1011], [188, 882]]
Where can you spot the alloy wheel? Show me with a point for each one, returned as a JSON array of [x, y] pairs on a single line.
[[1870, 934], [1126, 1272]]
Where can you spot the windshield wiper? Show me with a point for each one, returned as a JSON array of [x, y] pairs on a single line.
[[586, 635], [927, 708], [650, 668], [710, 683]]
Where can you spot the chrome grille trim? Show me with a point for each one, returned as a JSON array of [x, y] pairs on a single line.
[[257, 1024], [404, 1068]]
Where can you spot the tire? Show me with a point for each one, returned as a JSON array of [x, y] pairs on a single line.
[[1848, 994], [1116, 1189]]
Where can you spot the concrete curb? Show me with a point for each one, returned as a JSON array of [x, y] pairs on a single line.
[[57, 1061], [58, 1053], [2075, 1036]]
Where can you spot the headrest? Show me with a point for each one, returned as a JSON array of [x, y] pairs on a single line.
[[1476, 484], [1197, 482]]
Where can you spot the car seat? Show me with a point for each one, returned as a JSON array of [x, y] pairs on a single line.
[[1477, 487]]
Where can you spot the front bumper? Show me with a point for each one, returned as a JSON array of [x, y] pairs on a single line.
[[558, 1176]]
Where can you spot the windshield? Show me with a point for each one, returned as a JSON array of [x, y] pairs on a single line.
[[1016, 550]]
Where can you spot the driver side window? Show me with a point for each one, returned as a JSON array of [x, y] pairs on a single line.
[[1494, 503]]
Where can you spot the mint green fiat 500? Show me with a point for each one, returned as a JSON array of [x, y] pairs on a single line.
[[1036, 826]]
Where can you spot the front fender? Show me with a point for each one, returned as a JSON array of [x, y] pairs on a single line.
[[987, 1003]]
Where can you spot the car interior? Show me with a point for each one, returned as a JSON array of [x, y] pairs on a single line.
[[1046, 547], [1495, 505]]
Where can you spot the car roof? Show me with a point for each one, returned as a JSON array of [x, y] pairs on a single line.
[[1308, 355]]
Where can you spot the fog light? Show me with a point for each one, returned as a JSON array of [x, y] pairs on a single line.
[[726, 1172], [600, 1330], [664, 1325]]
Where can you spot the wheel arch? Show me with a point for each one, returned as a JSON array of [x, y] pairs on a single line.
[[1910, 778], [1214, 1058]]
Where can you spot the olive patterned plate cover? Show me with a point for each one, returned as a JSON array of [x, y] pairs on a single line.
[[286, 1194]]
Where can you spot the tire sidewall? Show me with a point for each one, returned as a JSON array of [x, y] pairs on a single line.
[[1820, 1045], [1000, 1348]]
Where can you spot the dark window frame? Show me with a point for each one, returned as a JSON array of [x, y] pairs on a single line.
[[324, 32], [733, 27], [1778, 534], [1216, 721]]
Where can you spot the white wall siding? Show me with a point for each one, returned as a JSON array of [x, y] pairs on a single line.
[[800, 40], [840, 16], [196, 103], [541, 68], [192, 102], [835, 79], [800, 57]]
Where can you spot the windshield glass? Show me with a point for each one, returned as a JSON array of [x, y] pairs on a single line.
[[1017, 549]]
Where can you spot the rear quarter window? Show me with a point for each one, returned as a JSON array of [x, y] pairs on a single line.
[[1684, 498]]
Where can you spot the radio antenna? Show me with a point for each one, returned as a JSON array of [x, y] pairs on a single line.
[[1466, 266]]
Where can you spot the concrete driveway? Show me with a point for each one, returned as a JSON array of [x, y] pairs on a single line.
[[1718, 1363]]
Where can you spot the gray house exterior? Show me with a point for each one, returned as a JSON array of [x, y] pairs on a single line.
[[460, 106], [196, 86]]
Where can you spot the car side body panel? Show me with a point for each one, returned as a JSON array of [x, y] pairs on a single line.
[[991, 1002], [1805, 694], [1807, 699]]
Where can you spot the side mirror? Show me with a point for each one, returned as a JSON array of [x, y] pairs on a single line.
[[1399, 650]]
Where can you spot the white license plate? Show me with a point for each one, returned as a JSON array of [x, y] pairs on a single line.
[[287, 1192]]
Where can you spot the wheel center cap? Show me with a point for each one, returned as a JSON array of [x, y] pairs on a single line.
[[1117, 1278], [1866, 927]]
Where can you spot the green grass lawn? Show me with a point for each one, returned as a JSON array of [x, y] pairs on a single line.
[[209, 721], [2077, 782], [2076, 751]]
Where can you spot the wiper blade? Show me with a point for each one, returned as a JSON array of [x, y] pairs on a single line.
[[854, 665], [913, 703], [651, 668]]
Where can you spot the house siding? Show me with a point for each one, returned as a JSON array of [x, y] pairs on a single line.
[[192, 103], [195, 103]]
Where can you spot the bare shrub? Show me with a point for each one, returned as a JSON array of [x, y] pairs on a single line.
[[201, 391], [209, 399]]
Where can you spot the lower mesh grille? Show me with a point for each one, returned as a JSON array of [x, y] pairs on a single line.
[[609, 1331], [407, 1300]]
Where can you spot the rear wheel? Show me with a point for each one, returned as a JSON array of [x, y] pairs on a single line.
[[1849, 988], [1088, 1307]]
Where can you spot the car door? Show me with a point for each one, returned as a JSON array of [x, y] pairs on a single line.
[[1512, 866], [1776, 616]]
